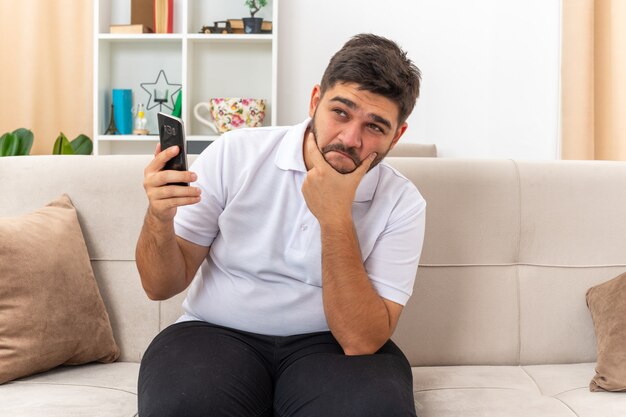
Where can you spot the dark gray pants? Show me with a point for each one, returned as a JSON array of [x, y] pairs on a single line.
[[199, 369]]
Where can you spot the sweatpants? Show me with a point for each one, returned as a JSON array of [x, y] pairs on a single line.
[[196, 368]]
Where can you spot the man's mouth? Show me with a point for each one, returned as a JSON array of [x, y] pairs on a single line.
[[343, 153]]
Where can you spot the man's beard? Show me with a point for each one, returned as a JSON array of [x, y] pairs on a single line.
[[350, 152]]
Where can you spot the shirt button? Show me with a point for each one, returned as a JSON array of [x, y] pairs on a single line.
[[304, 227]]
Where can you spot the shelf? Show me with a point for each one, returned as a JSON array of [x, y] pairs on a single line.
[[191, 36], [230, 37], [140, 36], [146, 145], [198, 66], [151, 138], [128, 138]]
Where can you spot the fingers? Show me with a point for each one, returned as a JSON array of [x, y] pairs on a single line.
[[164, 198], [173, 193], [161, 157], [154, 176], [167, 154], [154, 179], [172, 176], [366, 164], [164, 201]]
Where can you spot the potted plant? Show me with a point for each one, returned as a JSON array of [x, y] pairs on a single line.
[[80, 145], [20, 142], [253, 24]]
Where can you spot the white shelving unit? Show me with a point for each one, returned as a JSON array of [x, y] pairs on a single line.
[[205, 65]]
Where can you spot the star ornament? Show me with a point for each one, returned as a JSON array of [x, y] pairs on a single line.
[[161, 92]]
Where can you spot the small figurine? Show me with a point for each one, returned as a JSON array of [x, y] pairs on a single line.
[[222, 26], [140, 120], [112, 129]]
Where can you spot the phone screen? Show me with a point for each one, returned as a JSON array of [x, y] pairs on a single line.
[[172, 133]]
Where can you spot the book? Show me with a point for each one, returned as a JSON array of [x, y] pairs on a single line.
[[237, 26], [126, 29], [142, 13], [163, 16]]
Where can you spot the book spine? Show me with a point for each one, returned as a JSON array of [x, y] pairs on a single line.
[[170, 16], [164, 16]]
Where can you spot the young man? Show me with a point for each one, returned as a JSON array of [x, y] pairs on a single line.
[[307, 249]]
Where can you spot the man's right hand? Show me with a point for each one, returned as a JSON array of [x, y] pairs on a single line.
[[163, 198], [166, 262]]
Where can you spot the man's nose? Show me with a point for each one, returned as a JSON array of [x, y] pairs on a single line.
[[351, 136]]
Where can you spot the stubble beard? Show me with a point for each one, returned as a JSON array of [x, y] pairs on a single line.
[[350, 152]]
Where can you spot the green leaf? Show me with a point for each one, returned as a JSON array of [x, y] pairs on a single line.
[[178, 104], [19, 142], [25, 140], [82, 145], [9, 144], [62, 146]]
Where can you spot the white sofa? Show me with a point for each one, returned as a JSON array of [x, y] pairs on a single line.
[[497, 325]]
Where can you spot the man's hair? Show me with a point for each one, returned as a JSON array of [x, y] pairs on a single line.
[[378, 65]]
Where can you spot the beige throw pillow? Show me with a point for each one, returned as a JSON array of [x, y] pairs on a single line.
[[51, 311], [607, 303]]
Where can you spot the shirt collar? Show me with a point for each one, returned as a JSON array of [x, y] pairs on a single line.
[[290, 157]]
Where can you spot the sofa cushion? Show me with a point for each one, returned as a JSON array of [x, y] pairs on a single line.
[[95, 390], [51, 312], [607, 303], [512, 391]]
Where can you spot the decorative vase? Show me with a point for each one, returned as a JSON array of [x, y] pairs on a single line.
[[252, 24], [122, 112]]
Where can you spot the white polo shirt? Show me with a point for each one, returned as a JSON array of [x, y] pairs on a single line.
[[263, 272]]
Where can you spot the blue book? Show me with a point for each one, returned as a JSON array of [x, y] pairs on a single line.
[[123, 111]]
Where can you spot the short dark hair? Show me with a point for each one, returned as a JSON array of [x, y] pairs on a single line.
[[378, 65]]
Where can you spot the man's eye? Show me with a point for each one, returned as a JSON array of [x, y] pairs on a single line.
[[340, 112], [376, 128]]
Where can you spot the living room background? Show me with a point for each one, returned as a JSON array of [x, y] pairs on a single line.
[[491, 69], [46, 77]]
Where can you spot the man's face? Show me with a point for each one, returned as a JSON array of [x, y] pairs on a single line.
[[349, 124]]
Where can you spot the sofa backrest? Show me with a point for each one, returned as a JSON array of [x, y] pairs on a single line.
[[411, 149], [510, 250]]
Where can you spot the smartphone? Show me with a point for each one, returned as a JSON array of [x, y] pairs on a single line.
[[172, 133]]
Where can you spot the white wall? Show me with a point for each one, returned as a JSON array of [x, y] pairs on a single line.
[[490, 68]]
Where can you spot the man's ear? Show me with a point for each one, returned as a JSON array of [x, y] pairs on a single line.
[[316, 96], [398, 135]]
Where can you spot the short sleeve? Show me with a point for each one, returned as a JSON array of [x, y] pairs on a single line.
[[393, 262], [198, 223]]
